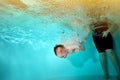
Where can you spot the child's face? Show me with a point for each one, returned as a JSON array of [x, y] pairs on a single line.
[[61, 52]]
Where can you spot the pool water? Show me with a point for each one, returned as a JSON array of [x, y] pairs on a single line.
[[26, 50]]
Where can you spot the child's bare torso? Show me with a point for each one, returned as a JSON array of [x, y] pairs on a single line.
[[74, 46]]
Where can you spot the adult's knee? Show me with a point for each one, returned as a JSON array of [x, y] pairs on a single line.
[[110, 52], [102, 55]]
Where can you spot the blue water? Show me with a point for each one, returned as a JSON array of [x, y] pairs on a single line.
[[26, 51]]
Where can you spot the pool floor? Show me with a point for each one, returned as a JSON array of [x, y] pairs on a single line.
[[82, 78]]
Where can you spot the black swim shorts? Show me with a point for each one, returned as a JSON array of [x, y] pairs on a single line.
[[103, 43]]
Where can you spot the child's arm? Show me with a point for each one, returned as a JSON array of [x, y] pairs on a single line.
[[76, 48]]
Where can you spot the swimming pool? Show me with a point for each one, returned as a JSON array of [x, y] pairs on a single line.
[[26, 50]]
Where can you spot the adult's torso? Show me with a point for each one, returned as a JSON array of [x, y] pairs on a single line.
[[99, 28]]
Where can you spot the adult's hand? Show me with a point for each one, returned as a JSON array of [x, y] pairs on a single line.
[[105, 33]]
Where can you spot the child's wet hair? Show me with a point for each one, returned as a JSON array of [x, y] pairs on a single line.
[[55, 48]]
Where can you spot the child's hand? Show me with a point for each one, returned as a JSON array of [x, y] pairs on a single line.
[[77, 49]]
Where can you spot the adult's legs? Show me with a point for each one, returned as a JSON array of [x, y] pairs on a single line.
[[113, 58], [103, 61]]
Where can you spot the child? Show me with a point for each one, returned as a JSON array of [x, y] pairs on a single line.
[[76, 44], [68, 47]]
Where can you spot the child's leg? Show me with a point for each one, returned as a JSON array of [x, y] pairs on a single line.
[[111, 53], [103, 61]]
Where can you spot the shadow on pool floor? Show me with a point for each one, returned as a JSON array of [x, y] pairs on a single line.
[[82, 78]]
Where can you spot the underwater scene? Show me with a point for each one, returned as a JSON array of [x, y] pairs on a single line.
[[33, 34]]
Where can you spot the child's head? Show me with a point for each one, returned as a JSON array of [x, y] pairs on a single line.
[[60, 51]]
